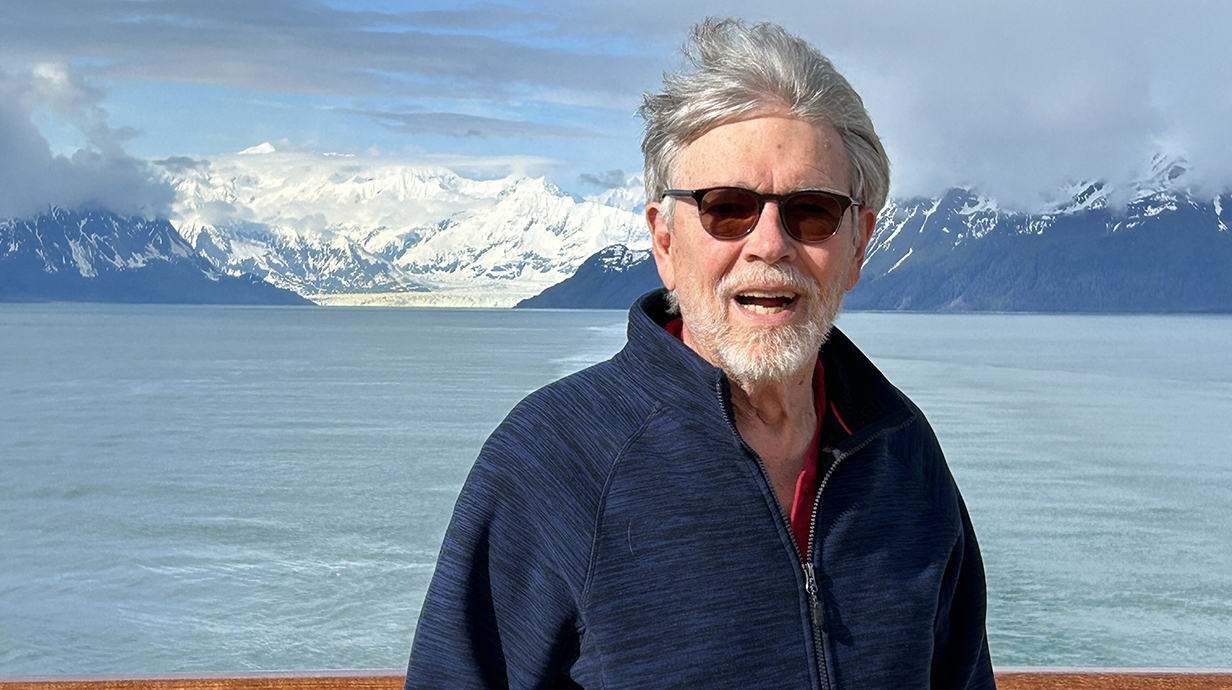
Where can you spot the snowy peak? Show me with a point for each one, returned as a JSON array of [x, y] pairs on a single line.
[[611, 279], [1166, 172], [259, 148], [619, 258], [366, 230], [99, 256], [92, 242], [906, 228], [1077, 197], [631, 196], [1152, 245]]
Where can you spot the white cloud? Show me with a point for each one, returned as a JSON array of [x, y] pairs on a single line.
[[101, 174], [1010, 97], [1016, 98]]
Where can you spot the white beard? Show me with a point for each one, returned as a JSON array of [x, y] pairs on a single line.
[[761, 355]]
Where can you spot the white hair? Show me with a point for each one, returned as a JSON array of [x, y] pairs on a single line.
[[732, 71]]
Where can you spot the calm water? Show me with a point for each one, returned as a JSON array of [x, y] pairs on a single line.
[[222, 488]]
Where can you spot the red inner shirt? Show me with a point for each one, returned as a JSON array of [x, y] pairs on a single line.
[[806, 484]]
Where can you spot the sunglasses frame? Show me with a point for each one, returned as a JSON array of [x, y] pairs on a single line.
[[845, 200]]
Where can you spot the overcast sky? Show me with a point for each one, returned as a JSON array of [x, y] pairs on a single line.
[[1010, 98]]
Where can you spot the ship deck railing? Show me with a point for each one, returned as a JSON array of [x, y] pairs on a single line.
[[1008, 678]]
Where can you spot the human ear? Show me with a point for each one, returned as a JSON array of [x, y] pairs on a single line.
[[865, 222], [661, 243]]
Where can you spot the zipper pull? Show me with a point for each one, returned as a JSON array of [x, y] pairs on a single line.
[[810, 586]]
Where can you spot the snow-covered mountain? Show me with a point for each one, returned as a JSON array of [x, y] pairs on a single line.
[[907, 226], [1154, 245], [351, 230], [364, 230], [98, 256], [608, 280]]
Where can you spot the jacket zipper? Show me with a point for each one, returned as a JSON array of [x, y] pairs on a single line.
[[810, 581], [816, 618]]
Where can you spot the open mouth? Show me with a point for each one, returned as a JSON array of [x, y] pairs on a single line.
[[766, 302]]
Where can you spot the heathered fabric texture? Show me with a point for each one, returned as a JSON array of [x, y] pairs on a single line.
[[615, 532]]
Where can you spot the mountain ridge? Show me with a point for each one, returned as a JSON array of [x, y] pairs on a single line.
[[1154, 247], [94, 255], [366, 230], [353, 230]]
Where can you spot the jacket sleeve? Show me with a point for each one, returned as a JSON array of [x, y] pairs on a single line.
[[498, 613], [960, 652]]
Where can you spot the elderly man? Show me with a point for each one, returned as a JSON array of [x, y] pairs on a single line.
[[738, 499]]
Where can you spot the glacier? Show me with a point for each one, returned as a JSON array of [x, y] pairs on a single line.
[[364, 230]]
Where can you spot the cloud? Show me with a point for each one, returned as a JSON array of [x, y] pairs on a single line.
[[604, 180], [485, 52], [490, 167], [1013, 99], [458, 125], [181, 164], [100, 174], [1017, 98], [1010, 98]]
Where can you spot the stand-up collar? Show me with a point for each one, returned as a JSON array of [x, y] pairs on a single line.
[[669, 368]]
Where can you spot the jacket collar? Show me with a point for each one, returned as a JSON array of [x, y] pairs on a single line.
[[869, 404]]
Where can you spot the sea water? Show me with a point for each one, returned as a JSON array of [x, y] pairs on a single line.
[[230, 488]]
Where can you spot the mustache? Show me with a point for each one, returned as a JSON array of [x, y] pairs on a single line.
[[756, 273]]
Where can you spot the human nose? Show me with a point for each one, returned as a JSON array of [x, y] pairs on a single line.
[[768, 241]]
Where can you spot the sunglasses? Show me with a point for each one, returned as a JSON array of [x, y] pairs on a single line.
[[810, 216]]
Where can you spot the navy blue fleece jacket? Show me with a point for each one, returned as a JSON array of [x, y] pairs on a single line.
[[616, 532]]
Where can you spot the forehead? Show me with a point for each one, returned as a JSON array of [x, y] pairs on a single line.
[[770, 153]]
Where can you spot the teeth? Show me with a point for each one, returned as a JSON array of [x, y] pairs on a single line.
[[758, 309], [769, 295], [750, 299]]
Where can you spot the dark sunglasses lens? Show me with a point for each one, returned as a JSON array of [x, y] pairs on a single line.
[[728, 213], [812, 216]]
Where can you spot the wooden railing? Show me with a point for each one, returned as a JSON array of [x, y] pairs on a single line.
[[1029, 678], [281, 680], [1007, 679]]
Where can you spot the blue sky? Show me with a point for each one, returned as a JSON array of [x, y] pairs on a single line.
[[1012, 98]]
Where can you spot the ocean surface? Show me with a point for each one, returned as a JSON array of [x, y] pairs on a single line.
[[188, 488]]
